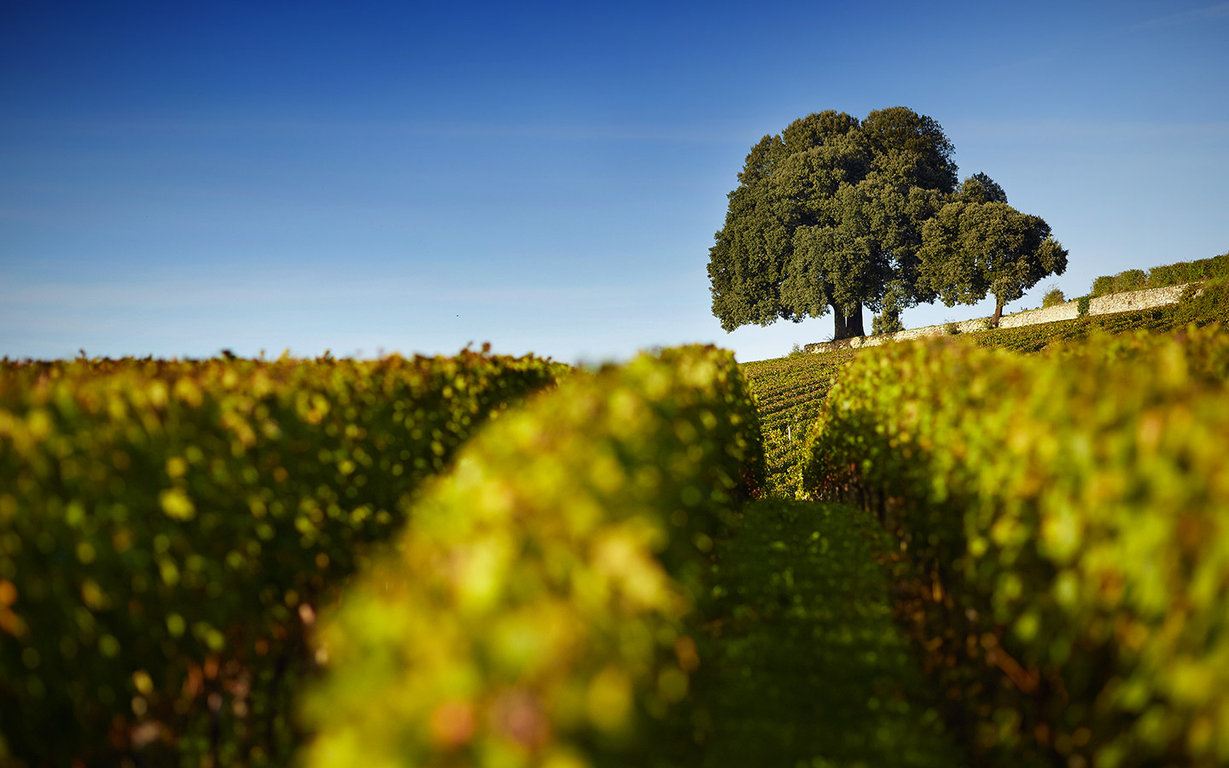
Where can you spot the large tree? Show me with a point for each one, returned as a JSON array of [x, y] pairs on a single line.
[[828, 215], [977, 244]]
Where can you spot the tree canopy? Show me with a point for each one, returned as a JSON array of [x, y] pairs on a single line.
[[832, 214], [827, 215], [977, 244]]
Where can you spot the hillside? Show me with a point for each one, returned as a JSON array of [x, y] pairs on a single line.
[[790, 389], [1042, 487]]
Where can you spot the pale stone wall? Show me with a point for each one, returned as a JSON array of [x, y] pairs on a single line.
[[1067, 311], [1134, 300], [1103, 305]]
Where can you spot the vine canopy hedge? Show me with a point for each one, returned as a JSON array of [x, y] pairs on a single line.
[[536, 612], [1069, 516], [168, 530]]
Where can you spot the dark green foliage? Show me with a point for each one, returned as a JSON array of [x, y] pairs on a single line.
[[887, 322], [1161, 276], [1064, 518], [1053, 298], [1082, 305], [168, 531], [1131, 280], [828, 215], [749, 260], [980, 188], [1189, 272], [978, 245]]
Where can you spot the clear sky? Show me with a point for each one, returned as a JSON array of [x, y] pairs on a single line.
[[179, 178]]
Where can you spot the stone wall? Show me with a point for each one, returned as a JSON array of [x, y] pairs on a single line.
[[1133, 300], [1067, 311], [1102, 305]]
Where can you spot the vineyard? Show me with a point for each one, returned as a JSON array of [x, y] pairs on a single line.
[[790, 390], [1002, 548], [168, 529], [1069, 547]]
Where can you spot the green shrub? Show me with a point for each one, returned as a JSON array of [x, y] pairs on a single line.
[[1189, 271], [952, 328], [886, 323], [1053, 298], [168, 531], [1161, 276], [1064, 519], [1170, 274], [1082, 305], [1130, 280], [536, 611], [1204, 303]]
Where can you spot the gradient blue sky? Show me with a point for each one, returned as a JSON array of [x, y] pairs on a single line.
[[178, 178]]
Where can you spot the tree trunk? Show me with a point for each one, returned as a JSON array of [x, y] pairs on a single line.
[[998, 312], [854, 322], [841, 332], [847, 326]]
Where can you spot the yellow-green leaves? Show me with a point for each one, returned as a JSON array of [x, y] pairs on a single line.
[[176, 504], [1072, 508], [533, 612], [168, 529]]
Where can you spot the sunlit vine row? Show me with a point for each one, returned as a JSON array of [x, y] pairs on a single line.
[[168, 531], [1066, 519]]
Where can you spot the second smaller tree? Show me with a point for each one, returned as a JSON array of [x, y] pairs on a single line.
[[978, 245]]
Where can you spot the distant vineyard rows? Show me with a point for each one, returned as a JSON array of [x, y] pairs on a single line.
[[790, 390]]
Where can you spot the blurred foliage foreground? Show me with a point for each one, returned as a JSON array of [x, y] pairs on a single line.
[[331, 562], [169, 529], [171, 532], [537, 610], [1064, 519]]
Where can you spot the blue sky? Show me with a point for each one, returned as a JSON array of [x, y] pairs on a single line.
[[179, 178]]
